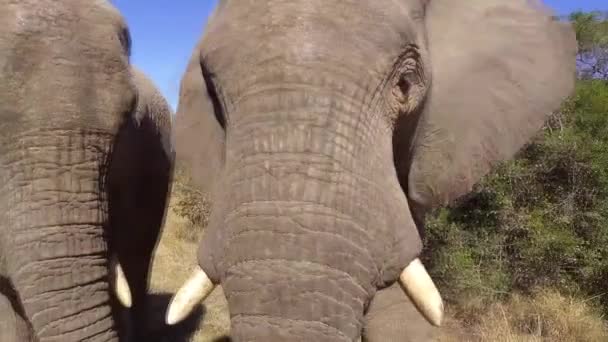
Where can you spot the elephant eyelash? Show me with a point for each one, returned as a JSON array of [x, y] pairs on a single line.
[[125, 40], [213, 94]]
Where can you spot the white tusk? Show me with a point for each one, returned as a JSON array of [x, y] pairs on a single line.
[[419, 286], [119, 283], [193, 292]]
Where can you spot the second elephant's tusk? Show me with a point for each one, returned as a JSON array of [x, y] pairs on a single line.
[[419, 286], [119, 283], [192, 293]]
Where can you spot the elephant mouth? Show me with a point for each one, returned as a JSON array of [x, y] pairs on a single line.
[[414, 279]]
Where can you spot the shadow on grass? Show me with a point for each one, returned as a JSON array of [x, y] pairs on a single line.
[[159, 331]]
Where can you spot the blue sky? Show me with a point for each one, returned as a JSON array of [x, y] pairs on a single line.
[[164, 34]]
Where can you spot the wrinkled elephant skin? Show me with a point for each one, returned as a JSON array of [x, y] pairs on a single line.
[[83, 153]]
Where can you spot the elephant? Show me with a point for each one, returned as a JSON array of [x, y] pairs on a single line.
[[86, 164], [325, 131], [139, 184]]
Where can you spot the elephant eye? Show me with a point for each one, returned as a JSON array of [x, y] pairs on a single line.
[[212, 92], [404, 85]]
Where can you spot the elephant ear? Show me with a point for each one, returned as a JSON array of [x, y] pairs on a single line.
[[199, 135], [499, 68]]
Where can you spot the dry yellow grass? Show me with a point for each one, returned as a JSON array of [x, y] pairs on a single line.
[[546, 317], [175, 257]]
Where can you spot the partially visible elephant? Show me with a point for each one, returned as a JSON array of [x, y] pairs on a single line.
[[325, 130], [139, 180], [85, 169]]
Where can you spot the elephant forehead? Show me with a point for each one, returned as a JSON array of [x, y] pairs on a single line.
[[357, 34]]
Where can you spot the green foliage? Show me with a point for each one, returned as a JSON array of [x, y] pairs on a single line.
[[591, 29], [540, 220]]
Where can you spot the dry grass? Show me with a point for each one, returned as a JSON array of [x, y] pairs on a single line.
[[546, 317], [175, 257]]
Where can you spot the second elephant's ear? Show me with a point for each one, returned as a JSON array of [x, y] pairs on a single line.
[[499, 68], [199, 134]]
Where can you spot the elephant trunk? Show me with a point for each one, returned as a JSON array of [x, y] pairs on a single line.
[[295, 269], [274, 300], [306, 224], [57, 252]]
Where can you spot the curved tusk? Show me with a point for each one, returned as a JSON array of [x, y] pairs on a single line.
[[119, 283], [419, 286], [193, 292]]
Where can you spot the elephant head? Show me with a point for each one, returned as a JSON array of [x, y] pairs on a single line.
[[324, 130], [68, 102]]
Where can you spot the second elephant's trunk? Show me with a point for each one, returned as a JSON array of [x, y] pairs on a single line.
[[55, 215]]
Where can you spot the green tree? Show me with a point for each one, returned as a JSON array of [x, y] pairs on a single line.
[[592, 36]]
